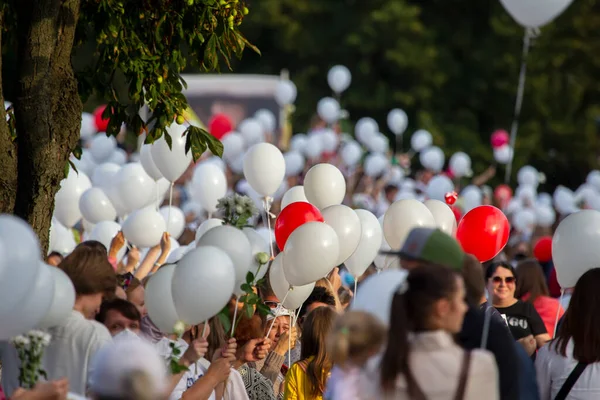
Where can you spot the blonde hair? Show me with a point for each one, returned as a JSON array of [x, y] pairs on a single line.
[[356, 335], [135, 385]]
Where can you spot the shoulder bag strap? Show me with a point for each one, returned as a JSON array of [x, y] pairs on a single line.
[[464, 375], [570, 382]]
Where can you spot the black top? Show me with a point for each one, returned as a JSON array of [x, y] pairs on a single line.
[[523, 320]]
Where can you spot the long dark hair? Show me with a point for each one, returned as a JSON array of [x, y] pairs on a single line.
[[530, 280], [582, 320], [411, 309], [315, 331]]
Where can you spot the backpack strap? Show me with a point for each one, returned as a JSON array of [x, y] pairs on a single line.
[[463, 377], [570, 382]]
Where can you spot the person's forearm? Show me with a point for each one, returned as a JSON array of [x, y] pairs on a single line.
[[273, 363], [174, 379], [161, 260], [202, 389], [147, 264]]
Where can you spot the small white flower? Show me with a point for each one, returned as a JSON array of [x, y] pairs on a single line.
[[179, 328]]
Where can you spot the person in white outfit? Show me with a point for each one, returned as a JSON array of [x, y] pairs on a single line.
[[569, 366]]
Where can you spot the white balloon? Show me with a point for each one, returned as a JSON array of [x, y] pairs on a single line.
[[174, 161], [472, 197], [420, 140], [503, 154], [208, 186], [298, 142], [136, 188], [62, 301], [235, 244], [206, 226], [593, 179], [192, 208], [174, 220], [375, 164], [144, 228], [267, 234], [535, 13], [346, 224], [177, 254], [564, 200], [294, 163], [148, 163], [267, 119], [88, 126], [397, 121], [379, 143], [443, 216], [19, 267], [313, 147], [281, 286], [351, 153], [395, 175], [524, 220], [526, 193], [233, 146], [258, 244], [293, 195], [61, 238], [365, 129], [66, 208], [339, 78], [285, 93], [101, 147], [460, 164], [264, 168], [104, 232], [86, 164], [119, 157], [252, 131], [376, 294], [545, 216], [575, 247], [432, 158], [324, 186], [311, 252], [202, 284], [328, 109], [370, 242], [105, 175], [161, 189], [96, 207], [438, 186], [329, 140], [528, 175], [159, 299], [544, 199], [401, 217]]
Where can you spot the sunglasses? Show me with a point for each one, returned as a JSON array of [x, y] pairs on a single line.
[[508, 279]]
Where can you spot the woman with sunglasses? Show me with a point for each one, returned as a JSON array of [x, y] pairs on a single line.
[[523, 320]]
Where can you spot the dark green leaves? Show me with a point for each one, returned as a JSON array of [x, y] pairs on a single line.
[[198, 140]]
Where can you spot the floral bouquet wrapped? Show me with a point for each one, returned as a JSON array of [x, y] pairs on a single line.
[[30, 349]]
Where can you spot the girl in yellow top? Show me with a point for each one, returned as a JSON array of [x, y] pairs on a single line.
[[306, 379]]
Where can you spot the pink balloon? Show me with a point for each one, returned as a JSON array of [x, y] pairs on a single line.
[[499, 138]]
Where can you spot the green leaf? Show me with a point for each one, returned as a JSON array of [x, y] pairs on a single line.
[[69, 164], [225, 319], [263, 309], [168, 139], [77, 151], [250, 278], [214, 145], [249, 310], [246, 288]]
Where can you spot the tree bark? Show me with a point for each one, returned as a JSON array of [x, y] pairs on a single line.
[[47, 108], [8, 152]]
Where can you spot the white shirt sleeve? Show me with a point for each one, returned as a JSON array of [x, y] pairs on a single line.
[[100, 338], [542, 371]]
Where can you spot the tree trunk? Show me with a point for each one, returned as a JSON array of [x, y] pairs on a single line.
[[8, 153], [47, 108]]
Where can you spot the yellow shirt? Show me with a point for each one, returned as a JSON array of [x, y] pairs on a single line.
[[297, 385]]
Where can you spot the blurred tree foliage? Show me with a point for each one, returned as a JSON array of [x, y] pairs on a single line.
[[453, 65]]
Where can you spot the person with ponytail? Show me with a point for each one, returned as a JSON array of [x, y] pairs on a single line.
[[356, 337], [422, 360]]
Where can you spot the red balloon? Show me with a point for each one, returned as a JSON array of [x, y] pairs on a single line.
[[483, 232], [457, 213], [503, 194], [451, 198], [499, 138], [220, 125], [101, 124], [542, 250], [291, 217]]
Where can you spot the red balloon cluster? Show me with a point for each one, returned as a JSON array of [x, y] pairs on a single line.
[[499, 138], [291, 217], [220, 125], [542, 250], [101, 124], [483, 232]]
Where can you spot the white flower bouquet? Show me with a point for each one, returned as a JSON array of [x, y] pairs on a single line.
[[30, 349]]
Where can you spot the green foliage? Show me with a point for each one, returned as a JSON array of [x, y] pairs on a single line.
[[237, 210], [174, 366], [452, 65]]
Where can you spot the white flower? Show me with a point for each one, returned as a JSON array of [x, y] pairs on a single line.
[[179, 328]]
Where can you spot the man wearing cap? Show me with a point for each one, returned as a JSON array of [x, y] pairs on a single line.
[[433, 246]]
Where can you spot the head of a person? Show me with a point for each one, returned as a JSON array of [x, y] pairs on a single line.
[[356, 336], [521, 251], [315, 331], [582, 320], [247, 329], [320, 297], [54, 259], [135, 293], [280, 325], [431, 299], [501, 282], [92, 275], [119, 315], [431, 246], [474, 280], [390, 192], [531, 282]]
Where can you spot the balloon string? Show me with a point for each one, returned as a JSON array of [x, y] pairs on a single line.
[[170, 204], [277, 310], [529, 34], [157, 196], [267, 204], [235, 310], [204, 329], [290, 347], [562, 293]]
